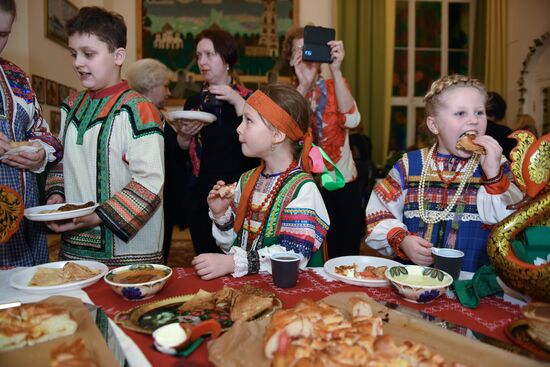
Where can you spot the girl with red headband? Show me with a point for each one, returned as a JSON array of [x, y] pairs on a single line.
[[277, 206]]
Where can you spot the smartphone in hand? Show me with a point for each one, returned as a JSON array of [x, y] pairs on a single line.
[[315, 44]]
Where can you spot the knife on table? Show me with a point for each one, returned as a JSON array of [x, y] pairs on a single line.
[[462, 330]]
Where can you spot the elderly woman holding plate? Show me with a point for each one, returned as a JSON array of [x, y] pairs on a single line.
[[214, 148], [151, 78]]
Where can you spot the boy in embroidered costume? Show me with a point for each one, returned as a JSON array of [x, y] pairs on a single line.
[[444, 196], [22, 242], [114, 148], [278, 205]]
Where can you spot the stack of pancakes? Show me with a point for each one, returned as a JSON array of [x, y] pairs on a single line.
[[71, 272]]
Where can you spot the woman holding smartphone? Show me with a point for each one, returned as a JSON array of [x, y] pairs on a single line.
[[334, 112], [214, 149]]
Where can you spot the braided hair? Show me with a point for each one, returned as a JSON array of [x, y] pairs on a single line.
[[432, 99]]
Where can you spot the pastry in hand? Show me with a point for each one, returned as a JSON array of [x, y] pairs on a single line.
[[227, 191], [17, 144], [466, 142]]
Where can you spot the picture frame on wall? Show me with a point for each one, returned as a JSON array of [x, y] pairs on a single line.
[[39, 87], [57, 12], [62, 93], [167, 32], [52, 93], [55, 121]]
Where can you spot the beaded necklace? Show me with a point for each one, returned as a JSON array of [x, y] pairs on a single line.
[[269, 201], [446, 181], [432, 219]]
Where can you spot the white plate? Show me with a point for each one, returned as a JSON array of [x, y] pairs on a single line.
[[513, 293], [21, 279], [25, 148], [34, 212], [362, 262], [204, 117]]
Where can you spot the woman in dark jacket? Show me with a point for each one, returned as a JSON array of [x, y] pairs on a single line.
[[214, 148]]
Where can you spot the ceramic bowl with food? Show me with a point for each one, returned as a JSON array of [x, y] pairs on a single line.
[[538, 319], [138, 281], [418, 284]]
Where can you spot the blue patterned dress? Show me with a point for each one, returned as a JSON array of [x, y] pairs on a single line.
[[22, 120], [394, 204]]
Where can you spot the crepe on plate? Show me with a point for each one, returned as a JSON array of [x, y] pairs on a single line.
[[34, 323], [71, 272], [243, 304]]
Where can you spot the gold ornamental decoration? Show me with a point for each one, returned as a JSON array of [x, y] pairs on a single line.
[[531, 169], [11, 212]]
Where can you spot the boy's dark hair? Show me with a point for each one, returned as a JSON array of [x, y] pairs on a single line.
[[496, 107], [108, 26], [224, 44], [9, 7]]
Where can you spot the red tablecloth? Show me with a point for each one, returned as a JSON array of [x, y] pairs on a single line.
[[489, 318]]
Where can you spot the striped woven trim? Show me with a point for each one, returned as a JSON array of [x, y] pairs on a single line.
[[373, 219], [128, 210], [301, 223], [154, 258], [18, 80], [88, 238], [55, 183], [283, 198]]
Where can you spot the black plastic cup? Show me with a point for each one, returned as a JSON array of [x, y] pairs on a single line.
[[449, 260], [284, 268]]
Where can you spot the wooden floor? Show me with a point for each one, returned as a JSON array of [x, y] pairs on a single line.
[[182, 251]]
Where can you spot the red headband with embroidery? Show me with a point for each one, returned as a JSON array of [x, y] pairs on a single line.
[[279, 118]]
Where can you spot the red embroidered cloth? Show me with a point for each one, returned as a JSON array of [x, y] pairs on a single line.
[[489, 318]]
